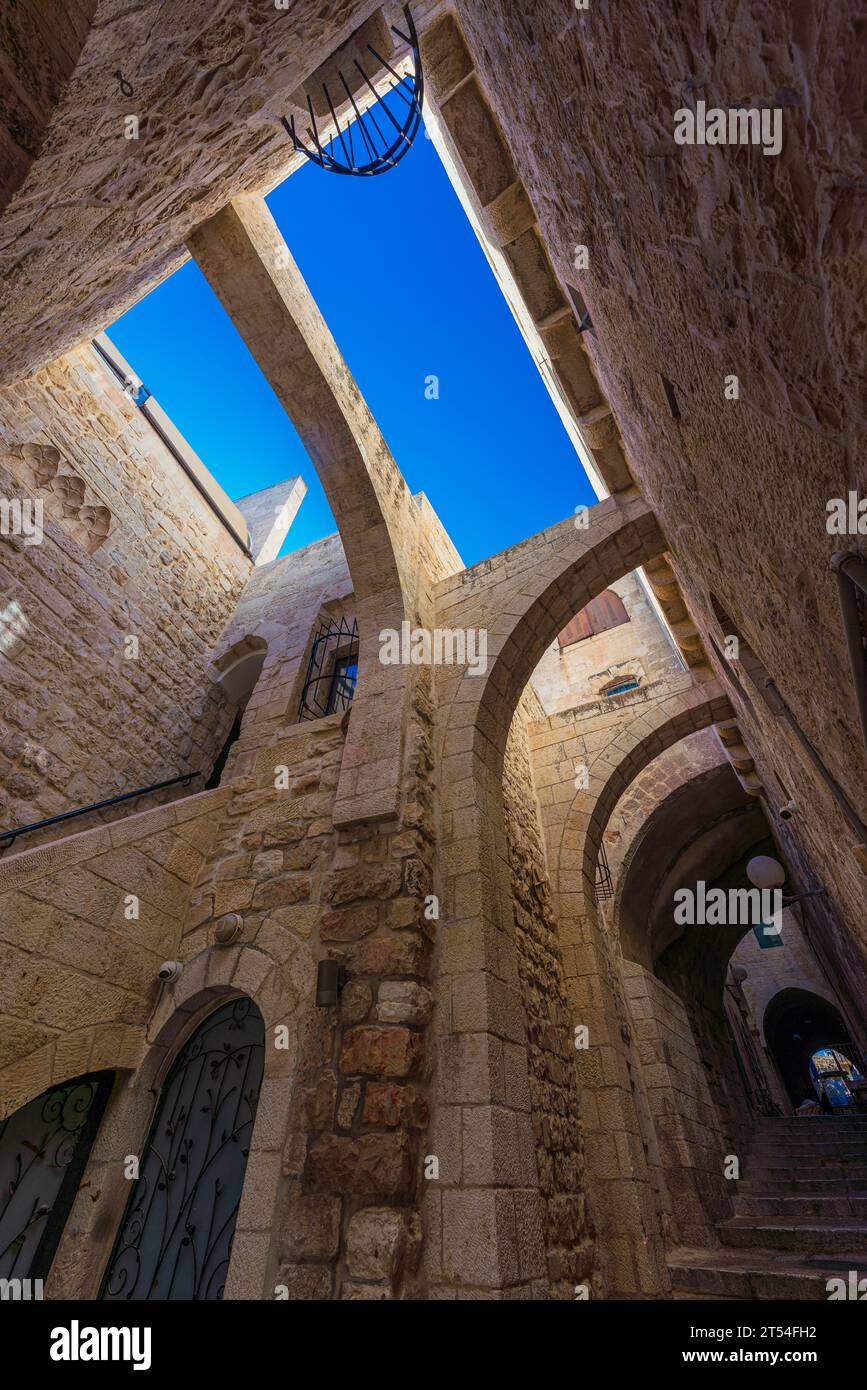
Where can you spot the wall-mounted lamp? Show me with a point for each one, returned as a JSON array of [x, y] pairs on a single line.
[[767, 873], [330, 979]]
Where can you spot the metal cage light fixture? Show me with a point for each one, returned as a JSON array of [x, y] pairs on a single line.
[[371, 151]]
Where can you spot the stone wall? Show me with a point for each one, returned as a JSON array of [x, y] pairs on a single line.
[[130, 551], [40, 43], [679, 300], [84, 925], [694, 1132], [554, 1090]]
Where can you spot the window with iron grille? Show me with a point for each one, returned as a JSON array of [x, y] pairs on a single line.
[[332, 671]]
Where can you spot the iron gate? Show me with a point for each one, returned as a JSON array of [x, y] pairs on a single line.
[[176, 1237], [43, 1150]]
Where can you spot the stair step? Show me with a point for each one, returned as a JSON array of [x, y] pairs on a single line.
[[847, 1116], [810, 1234], [793, 1208], [803, 1187], [820, 1149], [849, 1172], [757, 1274]]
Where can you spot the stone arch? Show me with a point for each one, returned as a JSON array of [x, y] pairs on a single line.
[[107, 1046], [525, 596], [811, 1008], [43, 67], [613, 769], [249, 267], [713, 800], [239, 667], [236, 673], [520, 599]]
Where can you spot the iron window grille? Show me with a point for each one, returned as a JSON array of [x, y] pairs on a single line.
[[622, 686], [332, 671], [374, 147]]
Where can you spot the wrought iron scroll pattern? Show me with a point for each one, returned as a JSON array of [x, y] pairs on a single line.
[[43, 1150], [176, 1238]]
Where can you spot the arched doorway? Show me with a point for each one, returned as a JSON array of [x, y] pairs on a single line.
[[176, 1237], [797, 1024], [44, 1147], [240, 668]]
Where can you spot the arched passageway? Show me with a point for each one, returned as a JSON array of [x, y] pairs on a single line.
[[797, 1023]]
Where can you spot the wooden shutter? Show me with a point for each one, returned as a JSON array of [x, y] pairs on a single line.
[[600, 614]]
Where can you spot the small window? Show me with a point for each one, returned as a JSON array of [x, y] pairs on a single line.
[[333, 669], [601, 613], [342, 684], [622, 686]]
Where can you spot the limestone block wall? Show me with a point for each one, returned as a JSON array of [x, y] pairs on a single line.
[[554, 1089], [281, 606], [659, 222], [693, 1130], [80, 959], [130, 551], [353, 1102], [331, 1204]]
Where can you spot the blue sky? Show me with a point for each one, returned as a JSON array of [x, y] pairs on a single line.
[[407, 293]]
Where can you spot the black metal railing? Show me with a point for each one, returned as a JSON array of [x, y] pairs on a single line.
[[8, 837], [603, 887], [332, 670]]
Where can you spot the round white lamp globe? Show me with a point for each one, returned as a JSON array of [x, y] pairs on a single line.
[[765, 872]]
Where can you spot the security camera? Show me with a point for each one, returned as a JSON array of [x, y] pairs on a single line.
[[787, 811], [170, 971]]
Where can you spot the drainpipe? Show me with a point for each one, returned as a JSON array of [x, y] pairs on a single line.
[[851, 572]]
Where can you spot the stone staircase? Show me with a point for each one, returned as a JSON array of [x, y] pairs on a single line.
[[800, 1216]]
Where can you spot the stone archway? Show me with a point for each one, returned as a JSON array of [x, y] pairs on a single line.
[[795, 1024], [520, 599], [625, 1185], [43, 63], [248, 265]]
